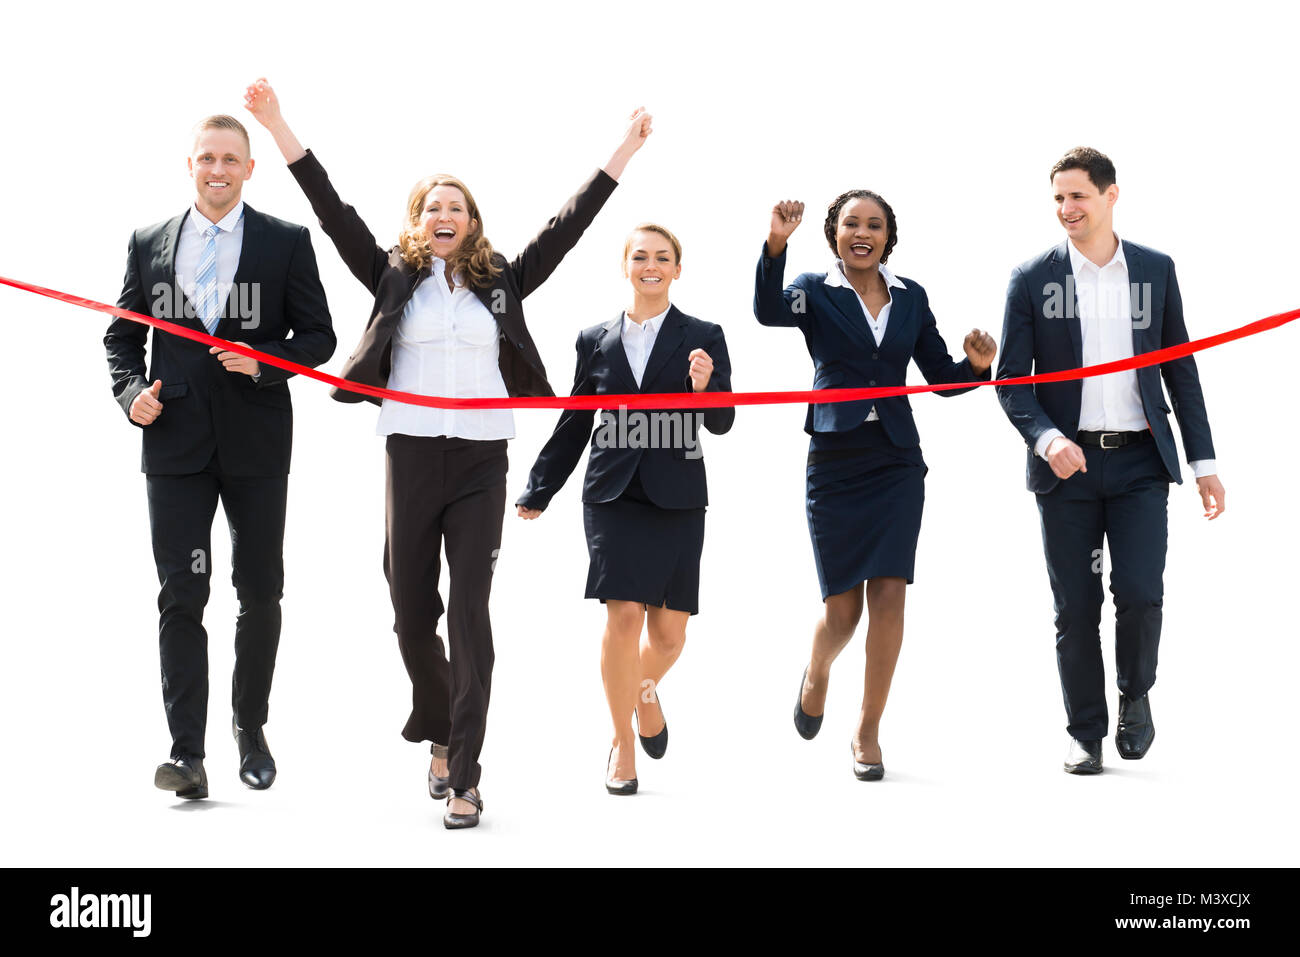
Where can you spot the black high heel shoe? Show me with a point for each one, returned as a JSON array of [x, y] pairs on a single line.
[[657, 745], [806, 724], [866, 772], [439, 787], [452, 821], [614, 785]]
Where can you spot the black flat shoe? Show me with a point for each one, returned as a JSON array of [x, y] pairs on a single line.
[[439, 788], [806, 724], [865, 772], [453, 822], [1084, 757], [256, 766], [185, 776], [656, 746], [1135, 730], [614, 785]]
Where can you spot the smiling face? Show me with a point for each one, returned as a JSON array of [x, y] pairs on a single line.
[[861, 233], [219, 164], [446, 219], [1083, 209], [650, 263]]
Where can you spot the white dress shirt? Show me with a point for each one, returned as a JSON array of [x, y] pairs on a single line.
[[639, 339], [230, 241], [835, 277], [1111, 402], [446, 343]]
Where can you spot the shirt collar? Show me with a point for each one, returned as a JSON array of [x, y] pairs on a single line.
[[650, 325], [1079, 261], [228, 221], [835, 276]]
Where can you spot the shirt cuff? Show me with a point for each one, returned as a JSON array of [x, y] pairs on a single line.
[[1203, 467], [1044, 440]]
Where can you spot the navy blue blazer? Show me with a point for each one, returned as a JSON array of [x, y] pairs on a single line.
[[845, 352], [672, 474], [1038, 335]]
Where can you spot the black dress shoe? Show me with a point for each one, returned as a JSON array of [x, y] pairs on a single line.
[[1135, 730], [806, 724], [866, 772], [439, 787], [1084, 757], [616, 785], [256, 766], [453, 822], [656, 746], [183, 775]]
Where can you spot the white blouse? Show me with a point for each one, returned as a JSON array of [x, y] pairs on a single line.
[[446, 343]]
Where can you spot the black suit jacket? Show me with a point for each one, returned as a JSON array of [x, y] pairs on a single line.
[[392, 280], [205, 408], [1041, 333], [672, 476]]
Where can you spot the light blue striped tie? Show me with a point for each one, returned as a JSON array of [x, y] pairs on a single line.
[[206, 284]]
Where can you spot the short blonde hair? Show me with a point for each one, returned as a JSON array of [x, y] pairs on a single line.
[[663, 231], [221, 121]]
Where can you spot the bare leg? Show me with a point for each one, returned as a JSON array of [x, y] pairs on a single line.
[[833, 632], [885, 598], [620, 668], [663, 642]]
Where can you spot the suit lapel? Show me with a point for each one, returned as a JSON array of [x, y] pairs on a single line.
[[1063, 276], [849, 307], [165, 263], [670, 336], [1136, 280], [611, 345], [901, 312], [250, 254]]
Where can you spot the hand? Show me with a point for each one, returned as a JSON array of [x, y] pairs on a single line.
[[786, 217], [145, 407], [1065, 457], [980, 350], [701, 369], [639, 127], [260, 100], [1211, 490], [234, 362], [528, 513]]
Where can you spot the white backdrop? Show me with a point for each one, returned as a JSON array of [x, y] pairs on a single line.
[[955, 114]]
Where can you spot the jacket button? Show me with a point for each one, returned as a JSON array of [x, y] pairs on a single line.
[[875, 355], [872, 382], [519, 345]]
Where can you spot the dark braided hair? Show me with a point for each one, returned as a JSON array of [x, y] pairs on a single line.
[[833, 219]]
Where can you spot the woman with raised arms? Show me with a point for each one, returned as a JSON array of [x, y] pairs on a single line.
[[447, 320]]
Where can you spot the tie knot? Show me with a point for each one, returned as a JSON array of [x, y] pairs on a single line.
[[211, 231]]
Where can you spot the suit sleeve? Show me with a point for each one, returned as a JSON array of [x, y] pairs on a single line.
[[547, 249], [1182, 379], [932, 358], [307, 313], [125, 340], [1015, 359], [560, 455], [774, 305], [351, 237], [720, 419]]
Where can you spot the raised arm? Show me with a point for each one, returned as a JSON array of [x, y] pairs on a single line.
[[548, 248], [351, 237], [773, 305], [560, 455]]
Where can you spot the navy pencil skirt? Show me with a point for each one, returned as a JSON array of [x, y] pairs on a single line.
[[643, 553], [865, 498]]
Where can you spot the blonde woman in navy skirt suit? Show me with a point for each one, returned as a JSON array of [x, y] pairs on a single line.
[[866, 477], [645, 493]]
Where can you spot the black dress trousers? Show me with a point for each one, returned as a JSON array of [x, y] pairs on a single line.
[[453, 490], [181, 508]]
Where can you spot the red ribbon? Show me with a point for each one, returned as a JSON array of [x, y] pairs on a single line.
[[665, 400]]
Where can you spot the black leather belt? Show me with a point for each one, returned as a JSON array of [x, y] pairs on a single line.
[[1111, 440]]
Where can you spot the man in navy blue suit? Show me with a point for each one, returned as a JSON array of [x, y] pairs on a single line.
[[1101, 452]]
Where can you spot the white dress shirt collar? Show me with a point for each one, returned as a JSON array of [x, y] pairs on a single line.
[[227, 224], [835, 276], [1079, 262], [650, 325]]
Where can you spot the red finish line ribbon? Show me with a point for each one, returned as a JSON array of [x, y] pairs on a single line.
[[664, 400]]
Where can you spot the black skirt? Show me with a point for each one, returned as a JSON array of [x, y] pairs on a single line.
[[865, 498], [643, 553]]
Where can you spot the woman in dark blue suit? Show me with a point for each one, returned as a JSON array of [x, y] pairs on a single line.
[[866, 477], [645, 493]]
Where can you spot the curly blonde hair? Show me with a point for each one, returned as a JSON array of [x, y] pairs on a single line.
[[472, 258]]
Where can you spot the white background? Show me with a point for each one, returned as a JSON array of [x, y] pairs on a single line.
[[954, 114]]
